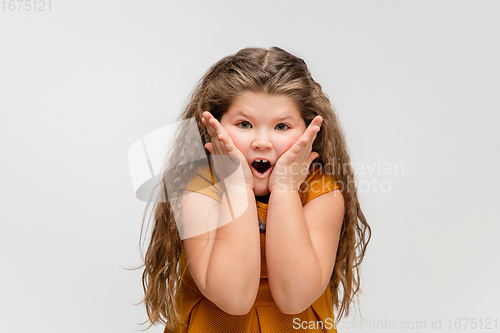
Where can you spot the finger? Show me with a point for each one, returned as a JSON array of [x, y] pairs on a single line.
[[207, 115], [213, 151], [222, 135], [223, 141], [315, 125], [316, 121], [315, 134], [209, 121], [217, 145], [303, 146], [210, 129], [298, 152], [312, 156], [228, 143], [210, 148], [213, 125], [301, 149], [308, 137], [217, 126], [204, 122], [305, 151]]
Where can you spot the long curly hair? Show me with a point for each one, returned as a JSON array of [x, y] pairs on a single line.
[[276, 72]]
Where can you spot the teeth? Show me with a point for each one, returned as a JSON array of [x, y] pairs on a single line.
[[263, 161], [257, 160]]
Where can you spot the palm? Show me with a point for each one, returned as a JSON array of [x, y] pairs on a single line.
[[292, 167], [226, 156]]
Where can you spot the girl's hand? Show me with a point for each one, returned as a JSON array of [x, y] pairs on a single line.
[[293, 166], [227, 158]]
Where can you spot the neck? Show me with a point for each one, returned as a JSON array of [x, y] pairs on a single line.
[[263, 198]]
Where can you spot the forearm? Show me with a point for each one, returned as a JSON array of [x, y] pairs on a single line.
[[293, 268], [233, 272]]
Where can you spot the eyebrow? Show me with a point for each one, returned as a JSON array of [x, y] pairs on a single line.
[[242, 113], [285, 118], [246, 114]]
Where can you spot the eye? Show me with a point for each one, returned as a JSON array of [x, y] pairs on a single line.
[[282, 127], [244, 125]]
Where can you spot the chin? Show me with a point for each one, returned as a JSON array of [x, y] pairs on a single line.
[[261, 190]]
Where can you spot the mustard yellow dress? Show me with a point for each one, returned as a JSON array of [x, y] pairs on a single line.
[[200, 315]]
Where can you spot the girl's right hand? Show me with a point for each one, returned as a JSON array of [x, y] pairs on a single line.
[[225, 154]]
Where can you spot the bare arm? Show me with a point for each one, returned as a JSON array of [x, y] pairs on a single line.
[[301, 246], [225, 262], [301, 242]]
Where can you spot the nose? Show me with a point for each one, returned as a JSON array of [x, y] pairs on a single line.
[[262, 141]]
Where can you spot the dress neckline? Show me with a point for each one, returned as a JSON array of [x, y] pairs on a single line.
[[263, 198]]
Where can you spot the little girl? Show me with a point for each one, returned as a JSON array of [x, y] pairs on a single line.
[[285, 233]]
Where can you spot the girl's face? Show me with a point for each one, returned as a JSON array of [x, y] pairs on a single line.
[[263, 127]]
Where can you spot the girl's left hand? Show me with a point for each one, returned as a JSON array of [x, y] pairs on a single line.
[[293, 166]]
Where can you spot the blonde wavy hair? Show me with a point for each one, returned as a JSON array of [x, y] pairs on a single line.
[[276, 72]]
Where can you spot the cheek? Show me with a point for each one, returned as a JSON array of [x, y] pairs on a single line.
[[238, 140], [286, 143]]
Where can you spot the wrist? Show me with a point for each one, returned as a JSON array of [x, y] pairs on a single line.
[[239, 178], [285, 186], [238, 184], [285, 191], [284, 196]]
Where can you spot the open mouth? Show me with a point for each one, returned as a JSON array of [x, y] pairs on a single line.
[[261, 166]]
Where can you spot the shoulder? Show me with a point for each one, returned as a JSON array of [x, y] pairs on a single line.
[[206, 182], [324, 209], [317, 183]]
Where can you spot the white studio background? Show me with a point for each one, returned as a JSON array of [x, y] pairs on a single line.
[[415, 84]]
